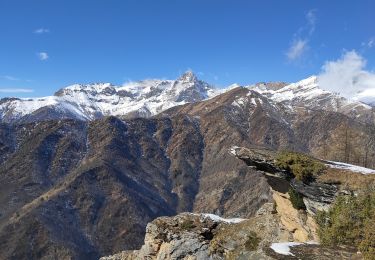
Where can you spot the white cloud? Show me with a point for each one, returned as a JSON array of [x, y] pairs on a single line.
[[299, 45], [41, 31], [311, 20], [348, 76], [43, 55], [16, 90], [297, 49], [7, 77]]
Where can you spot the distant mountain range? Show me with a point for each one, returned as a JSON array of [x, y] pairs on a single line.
[[149, 97], [88, 102]]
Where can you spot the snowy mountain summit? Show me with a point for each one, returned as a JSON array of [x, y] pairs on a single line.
[[152, 96], [86, 102], [307, 93]]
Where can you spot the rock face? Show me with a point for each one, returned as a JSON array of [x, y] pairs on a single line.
[[197, 236], [262, 159], [317, 196], [301, 226], [319, 192], [189, 236], [185, 236]]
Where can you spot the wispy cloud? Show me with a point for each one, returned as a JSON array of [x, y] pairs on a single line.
[[311, 20], [349, 77], [41, 31], [299, 45], [370, 43], [7, 77], [43, 55], [16, 90], [297, 49]]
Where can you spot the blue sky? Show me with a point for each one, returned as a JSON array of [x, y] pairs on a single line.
[[48, 44]]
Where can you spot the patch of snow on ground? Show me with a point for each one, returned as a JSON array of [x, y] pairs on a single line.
[[239, 102], [216, 218], [232, 150], [283, 248], [350, 167]]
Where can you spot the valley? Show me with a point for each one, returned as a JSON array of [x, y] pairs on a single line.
[[82, 176]]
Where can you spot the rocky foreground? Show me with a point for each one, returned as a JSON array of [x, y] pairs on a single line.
[[200, 236]]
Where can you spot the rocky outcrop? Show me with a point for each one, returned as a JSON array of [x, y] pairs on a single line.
[[185, 236], [200, 236], [197, 236], [298, 223], [261, 159], [316, 196], [320, 192]]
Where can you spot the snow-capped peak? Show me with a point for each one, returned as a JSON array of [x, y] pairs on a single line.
[[310, 81], [94, 88], [89, 101], [307, 93], [188, 76], [152, 96]]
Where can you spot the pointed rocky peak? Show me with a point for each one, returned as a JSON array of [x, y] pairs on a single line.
[[188, 76]]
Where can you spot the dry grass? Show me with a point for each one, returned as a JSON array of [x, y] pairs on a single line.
[[349, 179]]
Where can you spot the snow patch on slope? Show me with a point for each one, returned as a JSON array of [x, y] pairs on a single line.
[[217, 218], [283, 248], [350, 167]]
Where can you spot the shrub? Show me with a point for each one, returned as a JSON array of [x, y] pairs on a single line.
[[302, 167], [252, 241], [367, 245], [296, 199], [187, 224], [350, 221]]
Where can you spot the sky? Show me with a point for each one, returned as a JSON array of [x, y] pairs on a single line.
[[48, 44]]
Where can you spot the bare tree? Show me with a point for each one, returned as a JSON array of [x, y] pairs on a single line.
[[369, 146]]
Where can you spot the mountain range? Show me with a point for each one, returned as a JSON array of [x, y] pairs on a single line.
[[150, 97], [87, 102], [83, 172]]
